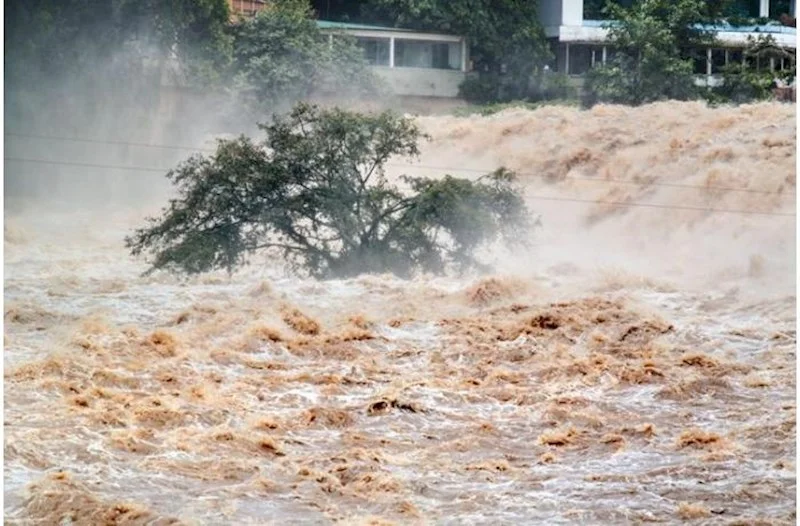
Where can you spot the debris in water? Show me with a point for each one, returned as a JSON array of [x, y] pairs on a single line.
[[299, 321], [689, 511]]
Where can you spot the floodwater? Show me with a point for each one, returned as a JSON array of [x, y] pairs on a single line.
[[635, 364]]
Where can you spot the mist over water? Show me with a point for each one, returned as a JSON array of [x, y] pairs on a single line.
[[635, 363]]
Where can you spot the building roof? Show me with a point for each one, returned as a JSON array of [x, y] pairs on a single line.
[[327, 24], [728, 28]]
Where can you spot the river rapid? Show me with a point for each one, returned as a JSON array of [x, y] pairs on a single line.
[[636, 363]]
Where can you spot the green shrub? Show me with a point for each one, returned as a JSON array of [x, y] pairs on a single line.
[[479, 89]]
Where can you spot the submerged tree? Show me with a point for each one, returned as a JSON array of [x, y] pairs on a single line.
[[315, 190]]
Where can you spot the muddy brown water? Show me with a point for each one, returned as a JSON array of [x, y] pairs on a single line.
[[634, 365]]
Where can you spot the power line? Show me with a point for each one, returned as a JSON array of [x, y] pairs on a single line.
[[534, 197], [398, 165], [99, 141], [608, 181], [654, 205], [88, 165]]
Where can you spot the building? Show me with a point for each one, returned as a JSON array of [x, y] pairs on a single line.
[[412, 63], [578, 42], [246, 7]]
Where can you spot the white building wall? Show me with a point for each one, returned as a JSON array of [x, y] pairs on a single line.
[[599, 35], [571, 12], [421, 82]]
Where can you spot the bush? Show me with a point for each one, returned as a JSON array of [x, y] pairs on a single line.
[[479, 89], [743, 83], [315, 191], [556, 86]]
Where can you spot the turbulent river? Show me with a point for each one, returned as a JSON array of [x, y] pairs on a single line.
[[635, 364]]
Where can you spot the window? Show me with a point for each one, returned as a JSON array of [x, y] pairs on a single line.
[[699, 60], [742, 9], [597, 56], [593, 9], [785, 63], [717, 60], [580, 59], [752, 62], [788, 62], [735, 56], [426, 54], [376, 50], [560, 54], [779, 7]]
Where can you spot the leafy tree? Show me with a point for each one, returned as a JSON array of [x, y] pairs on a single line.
[[507, 40], [754, 80], [193, 31], [315, 191], [66, 58], [654, 44], [712, 10], [50, 39], [280, 57]]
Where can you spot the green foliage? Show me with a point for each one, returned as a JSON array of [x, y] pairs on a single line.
[[652, 43], [596, 9], [507, 40], [555, 86], [280, 56], [53, 39], [711, 10], [479, 89], [194, 30], [743, 84], [315, 191], [749, 82], [65, 59]]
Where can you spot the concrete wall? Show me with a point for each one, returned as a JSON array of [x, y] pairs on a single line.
[[785, 37], [556, 13], [421, 82], [550, 13], [571, 12]]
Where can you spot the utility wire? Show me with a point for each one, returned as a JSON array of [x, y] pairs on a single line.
[[87, 165], [423, 166], [397, 165], [534, 197], [599, 180], [99, 141], [654, 205]]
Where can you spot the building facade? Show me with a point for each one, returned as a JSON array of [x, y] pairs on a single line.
[[240, 8], [412, 63], [578, 42]]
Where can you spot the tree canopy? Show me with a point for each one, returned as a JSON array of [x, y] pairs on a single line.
[[280, 57], [66, 59], [315, 191], [48, 39], [754, 80], [653, 46]]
